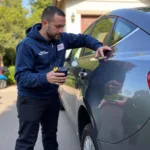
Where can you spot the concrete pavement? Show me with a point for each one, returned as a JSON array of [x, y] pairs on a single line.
[[9, 125]]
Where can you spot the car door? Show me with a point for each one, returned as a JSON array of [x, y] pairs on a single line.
[[70, 92], [87, 63], [84, 62], [112, 92]]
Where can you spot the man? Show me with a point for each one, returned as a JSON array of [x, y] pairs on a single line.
[[38, 102]]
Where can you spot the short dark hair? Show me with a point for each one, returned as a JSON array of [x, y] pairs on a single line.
[[50, 12]]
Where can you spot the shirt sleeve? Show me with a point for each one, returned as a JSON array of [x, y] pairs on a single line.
[[81, 40], [25, 62]]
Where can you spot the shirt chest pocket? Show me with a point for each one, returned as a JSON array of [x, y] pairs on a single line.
[[43, 60]]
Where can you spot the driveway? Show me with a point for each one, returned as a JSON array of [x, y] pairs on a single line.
[[9, 125]]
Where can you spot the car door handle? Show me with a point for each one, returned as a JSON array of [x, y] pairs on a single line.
[[82, 74]]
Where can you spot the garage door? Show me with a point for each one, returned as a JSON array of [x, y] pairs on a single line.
[[86, 20]]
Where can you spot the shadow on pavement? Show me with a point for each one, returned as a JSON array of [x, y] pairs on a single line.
[[9, 129]]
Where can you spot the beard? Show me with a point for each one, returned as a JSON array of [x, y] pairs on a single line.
[[53, 36]]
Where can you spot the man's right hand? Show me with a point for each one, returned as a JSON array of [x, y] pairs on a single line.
[[56, 78]]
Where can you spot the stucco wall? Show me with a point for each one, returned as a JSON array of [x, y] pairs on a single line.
[[97, 6]]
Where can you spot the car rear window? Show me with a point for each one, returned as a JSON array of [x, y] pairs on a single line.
[[145, 9], [122, 28]]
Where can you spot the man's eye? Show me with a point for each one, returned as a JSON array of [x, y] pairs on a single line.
[[59, 26]]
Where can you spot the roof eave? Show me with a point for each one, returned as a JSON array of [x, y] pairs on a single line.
[[58, 3]]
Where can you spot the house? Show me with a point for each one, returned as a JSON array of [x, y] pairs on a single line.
[[81, 13]]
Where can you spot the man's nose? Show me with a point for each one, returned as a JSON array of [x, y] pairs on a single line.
[[61, 30]]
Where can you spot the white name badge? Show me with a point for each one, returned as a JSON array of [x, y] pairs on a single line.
[[60, 46]]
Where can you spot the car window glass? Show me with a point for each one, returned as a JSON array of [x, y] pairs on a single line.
[[76, 53], [122, 28], [102, 29], [137, 43], [145, 9], [89, 29], [101, 32]]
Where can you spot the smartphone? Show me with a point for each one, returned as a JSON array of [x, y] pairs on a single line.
[[61, 70]]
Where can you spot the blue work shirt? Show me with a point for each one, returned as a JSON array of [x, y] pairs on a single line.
[[36, 56]]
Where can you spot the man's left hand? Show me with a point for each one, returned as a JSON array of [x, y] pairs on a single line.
[[100, 51]]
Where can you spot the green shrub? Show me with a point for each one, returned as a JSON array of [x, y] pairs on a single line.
[[10, 75]]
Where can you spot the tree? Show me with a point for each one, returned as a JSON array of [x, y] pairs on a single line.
[[12, 25], [37, 7]]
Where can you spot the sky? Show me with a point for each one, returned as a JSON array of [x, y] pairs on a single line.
[[25, 3]]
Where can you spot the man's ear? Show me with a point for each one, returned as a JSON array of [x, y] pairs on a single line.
[[44, 23]]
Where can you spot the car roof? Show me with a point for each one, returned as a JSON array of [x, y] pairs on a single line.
[[136, 16]]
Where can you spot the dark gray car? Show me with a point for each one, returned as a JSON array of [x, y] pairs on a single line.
[[108, 100]]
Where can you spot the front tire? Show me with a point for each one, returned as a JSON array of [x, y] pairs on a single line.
[[88, 140]]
